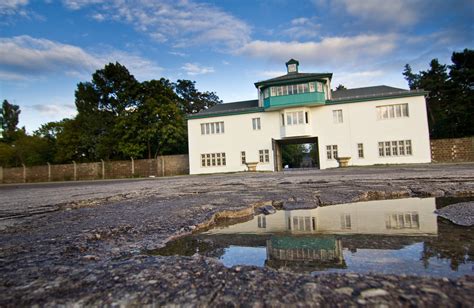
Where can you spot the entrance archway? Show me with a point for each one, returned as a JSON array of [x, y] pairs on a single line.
[[278, 155]]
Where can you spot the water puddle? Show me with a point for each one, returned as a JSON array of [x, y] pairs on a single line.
[[401, 236]]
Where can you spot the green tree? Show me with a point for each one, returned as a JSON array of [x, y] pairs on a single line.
[[9, 117], [192, 100], [157, 124], [292, 154], [340, 87], [461, 74], [450, 98]]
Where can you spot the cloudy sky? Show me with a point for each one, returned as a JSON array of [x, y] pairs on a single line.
[[48, 46]]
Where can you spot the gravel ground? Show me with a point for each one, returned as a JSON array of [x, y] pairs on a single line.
[[81, 243]]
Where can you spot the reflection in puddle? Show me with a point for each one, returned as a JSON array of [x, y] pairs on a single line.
[[388, 236]]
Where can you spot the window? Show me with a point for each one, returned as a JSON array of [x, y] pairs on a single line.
[[306, 118], [320, 86], [406, 220], [331, 151], [282, 119], [360, 150], [213, 159], [264, 156], [346, 221], [256, 123], [262, 221], [291, 68], [392, 111], [301, 223], [266, 93], [395, 148], [295, 89], [337, 116], [212, 128], [294, 118], [242, 158]]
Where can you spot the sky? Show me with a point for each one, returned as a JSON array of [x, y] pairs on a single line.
[[47, 47]]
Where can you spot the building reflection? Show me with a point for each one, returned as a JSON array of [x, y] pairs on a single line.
[[314, 239], [409, 217]]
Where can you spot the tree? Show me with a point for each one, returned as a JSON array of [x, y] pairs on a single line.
[[9, 117], [450, 98], [292, 154], [192, 100], [461, 76], [340, 87], [100, 104], [157, 125]]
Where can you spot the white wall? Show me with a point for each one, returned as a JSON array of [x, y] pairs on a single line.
[[360, 125], [239, 136]]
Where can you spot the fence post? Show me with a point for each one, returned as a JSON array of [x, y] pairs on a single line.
[[49, 172], [162, 165], [75, 170], [24, 173], [1, 174], [133, 166], [103, 169]]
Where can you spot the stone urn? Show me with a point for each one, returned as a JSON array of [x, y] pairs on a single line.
[[343, 161], [252, 167]]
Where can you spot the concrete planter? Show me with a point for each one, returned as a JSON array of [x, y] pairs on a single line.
[[252, 167], [343, 161]]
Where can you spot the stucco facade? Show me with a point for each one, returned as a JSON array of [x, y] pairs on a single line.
[[388, 126]]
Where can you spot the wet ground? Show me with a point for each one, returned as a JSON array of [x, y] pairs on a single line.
[[84, 243]]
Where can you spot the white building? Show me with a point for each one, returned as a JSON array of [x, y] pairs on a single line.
[[371, 125]]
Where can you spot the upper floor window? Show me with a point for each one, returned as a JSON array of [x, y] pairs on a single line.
[[320, 86], [212, 128], [291, 68], [337, 116], [256, 124], [296, 117], [392, 111]]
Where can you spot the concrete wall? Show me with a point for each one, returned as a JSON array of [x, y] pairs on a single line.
[[360, 125], [452, 150], [162, 166]]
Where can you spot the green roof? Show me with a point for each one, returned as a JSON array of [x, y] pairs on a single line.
[[293, 77]]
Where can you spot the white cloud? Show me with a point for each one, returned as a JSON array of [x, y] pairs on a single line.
[[10, 7], [193, 69], [302, 27], [270, 74], [389, 13], [358, 79], [25, 57], [58, 111], [330, 50], [183, 23]]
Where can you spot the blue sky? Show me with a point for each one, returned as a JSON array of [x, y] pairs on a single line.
[[47, 47]]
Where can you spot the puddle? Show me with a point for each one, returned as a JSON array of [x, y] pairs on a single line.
[[400, 236]]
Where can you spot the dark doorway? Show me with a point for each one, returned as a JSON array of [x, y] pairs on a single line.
[[296, 153]]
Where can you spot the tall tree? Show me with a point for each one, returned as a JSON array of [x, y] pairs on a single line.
[[461, 74], [340, 87], [100, 104], [9, 117], [192, 100], [157, 125], [450, 102]]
